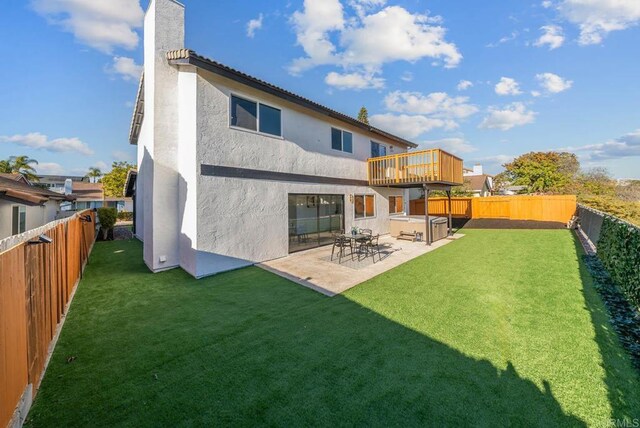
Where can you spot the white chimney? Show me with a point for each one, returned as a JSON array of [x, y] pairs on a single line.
[[68, 186], [477, 169]]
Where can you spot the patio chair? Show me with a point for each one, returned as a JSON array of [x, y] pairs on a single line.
[[342, 244], [366, 232], [372, 246]]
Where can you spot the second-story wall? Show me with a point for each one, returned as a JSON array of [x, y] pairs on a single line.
[[305, 145]]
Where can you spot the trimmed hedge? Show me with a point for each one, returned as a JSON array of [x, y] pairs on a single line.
[[619, 250]]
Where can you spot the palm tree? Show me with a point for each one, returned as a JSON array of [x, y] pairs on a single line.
[[94, 173], [5, 166], [23, 165]]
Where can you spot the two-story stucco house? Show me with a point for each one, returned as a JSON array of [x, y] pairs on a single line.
[[233, 170]]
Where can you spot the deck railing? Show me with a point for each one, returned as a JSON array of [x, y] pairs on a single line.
[[425, 166]]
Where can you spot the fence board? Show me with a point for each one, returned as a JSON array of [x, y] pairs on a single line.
[[37, 281], [558, 208]]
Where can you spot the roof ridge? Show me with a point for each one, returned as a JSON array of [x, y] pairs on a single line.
[[190, 55]]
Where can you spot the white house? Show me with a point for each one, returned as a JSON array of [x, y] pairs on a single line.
[[477, 182], [24, 206], [233, 170]]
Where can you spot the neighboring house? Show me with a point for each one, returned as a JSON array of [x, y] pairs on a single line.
[[91, 195], [477, 182], [24, 206], [233, 170], [56, 183]]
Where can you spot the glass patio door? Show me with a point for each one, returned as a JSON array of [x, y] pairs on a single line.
[[313, 219]]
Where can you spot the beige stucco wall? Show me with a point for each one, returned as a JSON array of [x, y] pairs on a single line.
[[242, 221], [36, 216]]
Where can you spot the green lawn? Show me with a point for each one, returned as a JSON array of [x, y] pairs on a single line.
[[497, 328]]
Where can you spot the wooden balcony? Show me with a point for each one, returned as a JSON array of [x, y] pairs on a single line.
[[411, 169]]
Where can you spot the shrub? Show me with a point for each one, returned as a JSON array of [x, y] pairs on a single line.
[[619, 250], [107, 218], [125, 215]]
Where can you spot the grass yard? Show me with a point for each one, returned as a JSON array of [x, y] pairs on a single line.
[[501, 327]]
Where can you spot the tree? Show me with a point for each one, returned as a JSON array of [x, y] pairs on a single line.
[[363, 115], [113, 181], [94, 173], [549, 172], [20, 165], [5, 166]]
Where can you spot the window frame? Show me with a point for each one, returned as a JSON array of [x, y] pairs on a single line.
[[380, 146], [342, 131], [395, 204], [258, 103], [21, 208], [364, 200]]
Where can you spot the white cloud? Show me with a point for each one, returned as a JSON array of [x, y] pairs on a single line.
[[552, 83], [103, 25], [355, 81], [552, 36], [512, 115], [394, 34], [415, 113], [49, 168], [36, 140], [126, 68], [597, 18], [463, 85], [454, 145], [312, 27], [409, 126], [436, 104], [507, 86], [626, 146], [547, 4], [254, 25], [363, 6], [365, 42], [535, 93]]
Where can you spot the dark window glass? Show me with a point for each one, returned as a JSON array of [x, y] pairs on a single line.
[[378, 149], [375, 149], [336, 139], [270, 120], [347, 142], [244, 113], [15, 220]]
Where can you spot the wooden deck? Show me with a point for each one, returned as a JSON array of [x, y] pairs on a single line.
[[415, 168]]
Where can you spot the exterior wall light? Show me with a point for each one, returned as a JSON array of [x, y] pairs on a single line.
[[42, 239]]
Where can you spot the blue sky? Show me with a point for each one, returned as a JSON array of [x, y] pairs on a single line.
[[485, 80]]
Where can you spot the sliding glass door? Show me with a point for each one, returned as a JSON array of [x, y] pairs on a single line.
[[313, 219]]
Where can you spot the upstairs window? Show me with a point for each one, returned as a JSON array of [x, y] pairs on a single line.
[[378, 149], [341, 140], [255, 116]]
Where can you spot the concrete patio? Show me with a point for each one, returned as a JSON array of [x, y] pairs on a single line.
[[315, 269]]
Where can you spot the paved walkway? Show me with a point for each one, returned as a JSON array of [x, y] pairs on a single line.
[[314, 268]]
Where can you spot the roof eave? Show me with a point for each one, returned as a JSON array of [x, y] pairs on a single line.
[[186, 57]]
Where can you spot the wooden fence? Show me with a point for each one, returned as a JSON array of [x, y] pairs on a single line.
[[558, 208], [37, 281]]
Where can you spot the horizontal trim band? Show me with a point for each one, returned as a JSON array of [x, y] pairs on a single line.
[[256, 174]]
